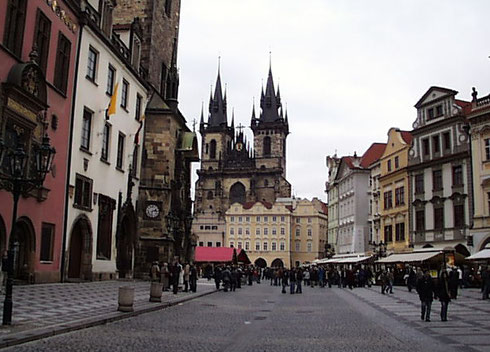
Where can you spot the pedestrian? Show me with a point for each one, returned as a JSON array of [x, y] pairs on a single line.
[[453, 283], [226, 277], [193, 278], [425, 289], [284, 279], [391, 278], [321, 276], [383, 278], [350, 278], [234, 279], [165, 276], [299, 279], [250, 275], [155, 272], [411, 280], [217, 276], [175, 274], [443, 294], [187, 272], [485, 282], [292, 281]]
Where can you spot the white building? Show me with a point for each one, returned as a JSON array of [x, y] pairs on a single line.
[[105, 154]]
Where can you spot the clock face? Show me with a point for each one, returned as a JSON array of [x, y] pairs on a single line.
[[152, 211], [239, 146]]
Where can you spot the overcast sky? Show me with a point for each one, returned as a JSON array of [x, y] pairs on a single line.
[[348, 70]]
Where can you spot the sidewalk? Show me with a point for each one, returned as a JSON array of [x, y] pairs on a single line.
[[49, 309]]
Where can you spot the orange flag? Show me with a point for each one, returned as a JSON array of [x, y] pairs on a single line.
[[112, 105]]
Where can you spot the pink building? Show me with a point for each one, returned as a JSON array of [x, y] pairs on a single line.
[[36, 90]]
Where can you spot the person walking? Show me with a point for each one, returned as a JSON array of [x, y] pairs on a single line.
[[165, 277], [425, 289], [217, 276], [485, 282], [383, 278], [175, 274], [193, 278], [453, 283], [234, 279], [444, 294], [226, 277], [299, 279], [321, 277], [187, 272], [292, 281], [391, 278], [411, 280], [284, 279]]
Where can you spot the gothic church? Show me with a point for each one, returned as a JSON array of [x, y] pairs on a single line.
[[231, 170]]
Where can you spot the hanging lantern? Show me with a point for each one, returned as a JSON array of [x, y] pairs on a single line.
[[44, 158]]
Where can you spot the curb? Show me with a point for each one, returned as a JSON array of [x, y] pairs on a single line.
[[41, 333]]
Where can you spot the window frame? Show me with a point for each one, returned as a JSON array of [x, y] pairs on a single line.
[[124, 94], [79, 194], [92, 63], [106, 137], [63, 56], [121, 141], [15, 21], [111, 79], [42, 38], [86, 129], [43, 256]]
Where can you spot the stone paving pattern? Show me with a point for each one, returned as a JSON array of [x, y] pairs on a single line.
[[260, 318], [40, 307]]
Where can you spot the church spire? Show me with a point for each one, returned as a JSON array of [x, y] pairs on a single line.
[[217, 104], [270, 102]]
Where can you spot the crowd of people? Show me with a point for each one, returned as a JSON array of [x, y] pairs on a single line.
[[175, 275]]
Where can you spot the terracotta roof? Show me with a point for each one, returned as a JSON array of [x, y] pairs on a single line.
[[219, 255], [373, 154], [348, 161], [466, 105], [249, 205], [407, 136], [324, 208]]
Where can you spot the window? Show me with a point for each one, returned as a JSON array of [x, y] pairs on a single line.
[[15, 18], [274, 231], [420, 220], [436, 147], [399, 196], [309, 220], [425, 147], [232, 231], [282, 218], [168, 7], [210, 244], [298, 220], [257, 219], [124, 94], [267, 146], [265, 246], [274, 219], [298, 246], [104, 155], [400, 231], [266, 231], [282, 246], [458, 216], [257, 231], [457, 175], [232, 244], [257, 246], [247, 231], [47, 238], [137, 109], [388, 233], [419, 183], [310, 233], [397, 162], [120, 150], [389, 165], [247, 245], [273, 246], [240, 219], [447, 140], [487, 149], [438, 110], [92, 64], [247, 219], [437, 180], [430, 114], [41, 38], [388, 201], [212, 152], [309, 246], [232, 219], [298, 231], [86, 128], [104, 227], [283, 231], [62, 63], [218, 244], [201, 244], [239, 231], [438, 218], [111, 76], [135, 56], [266, 219], [239, 245]]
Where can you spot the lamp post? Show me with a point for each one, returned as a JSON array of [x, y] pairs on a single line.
[[17, 182]]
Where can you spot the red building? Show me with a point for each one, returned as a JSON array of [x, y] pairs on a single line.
[[38, 48]]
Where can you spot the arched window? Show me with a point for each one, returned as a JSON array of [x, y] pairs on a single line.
[[267, 146], [212, 149], [237, 193]]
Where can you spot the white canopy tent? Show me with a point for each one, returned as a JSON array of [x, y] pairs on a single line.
[[484, 254], [408, 257]]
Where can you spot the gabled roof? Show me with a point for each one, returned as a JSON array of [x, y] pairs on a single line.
[[465, 105], [374, 152], [407, 136], [429, 91]]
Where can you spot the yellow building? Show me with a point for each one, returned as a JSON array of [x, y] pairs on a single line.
[[479, 119], [287, 233], [394, 191]]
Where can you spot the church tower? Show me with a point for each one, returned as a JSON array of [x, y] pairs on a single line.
[[270, 130]]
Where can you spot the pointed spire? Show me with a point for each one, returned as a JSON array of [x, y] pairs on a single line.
[[217, 104], [269, 102]]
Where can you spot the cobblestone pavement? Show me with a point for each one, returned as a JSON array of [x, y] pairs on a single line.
[[468, 325], [46, 308], [260, 318]]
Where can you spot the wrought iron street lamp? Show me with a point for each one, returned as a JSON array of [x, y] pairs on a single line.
[[16, 181]]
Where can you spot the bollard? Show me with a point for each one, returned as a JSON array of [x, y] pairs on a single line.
[[156, 292], [126, 298]]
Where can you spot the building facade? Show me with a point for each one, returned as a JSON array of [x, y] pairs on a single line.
[[38, 54], [231, 172], [332, 190], [109, 106], [394, 188], [479, 120], [375, 201], [440, 172]]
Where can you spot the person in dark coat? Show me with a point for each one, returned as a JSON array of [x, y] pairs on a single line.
[[453, 283], [350, 278], [217, 277], [193, 278], [226, 277], [485, 276], [299, 279], [284, 280], [174, 276], [443, 294], [234, 279], [425, 289], [411, 280]]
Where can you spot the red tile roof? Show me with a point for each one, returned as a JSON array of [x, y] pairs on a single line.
[[465, 105], [348, 161], [219, 255], [324, 208], [373, 154], [407, 136]]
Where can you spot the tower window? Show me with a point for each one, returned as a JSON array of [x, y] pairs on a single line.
[[267, 146], [212, 151]]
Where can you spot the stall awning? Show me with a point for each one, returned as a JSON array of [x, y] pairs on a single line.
[[409, 257], [481, 255], [354, 260], [219, 255]]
